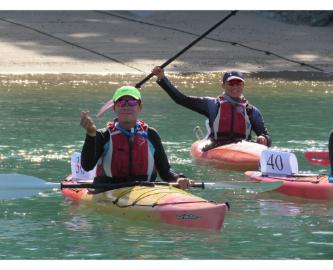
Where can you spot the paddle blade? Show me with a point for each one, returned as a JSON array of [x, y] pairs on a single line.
[[18, 194], [105, 107], [317, 157], [13, 186]]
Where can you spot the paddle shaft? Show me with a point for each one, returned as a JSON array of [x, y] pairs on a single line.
[[139, 84], [203, 185], [111, 186]]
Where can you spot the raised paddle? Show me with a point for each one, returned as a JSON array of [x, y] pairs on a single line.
[[139, 84], [13, 186], [109, 103]]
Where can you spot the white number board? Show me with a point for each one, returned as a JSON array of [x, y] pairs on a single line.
[[77, 171], [278, 163]]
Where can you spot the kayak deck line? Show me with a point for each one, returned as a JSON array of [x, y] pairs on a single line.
[[156, 191], [300, 178], [162, 204], [148, 193]]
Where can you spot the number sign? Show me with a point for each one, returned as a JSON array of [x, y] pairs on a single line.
[[278, 163]]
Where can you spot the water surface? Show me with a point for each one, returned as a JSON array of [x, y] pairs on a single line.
[[39, 130]]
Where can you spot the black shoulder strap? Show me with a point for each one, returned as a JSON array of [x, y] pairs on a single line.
[[249, 111]]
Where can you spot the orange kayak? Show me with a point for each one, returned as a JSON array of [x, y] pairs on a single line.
[[240, 156]]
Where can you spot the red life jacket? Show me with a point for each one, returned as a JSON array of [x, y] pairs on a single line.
[[128, 157], [231, 122]]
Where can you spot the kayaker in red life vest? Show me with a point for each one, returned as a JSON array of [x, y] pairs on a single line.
[[231, 118], [127, 149]]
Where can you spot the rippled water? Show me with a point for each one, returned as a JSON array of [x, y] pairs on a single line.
[[39, 130]]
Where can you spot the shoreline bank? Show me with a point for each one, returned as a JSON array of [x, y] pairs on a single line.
[[104, 43], [278, 75]]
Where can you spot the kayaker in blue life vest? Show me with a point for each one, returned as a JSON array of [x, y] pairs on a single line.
[[127, 149], [231, 118]]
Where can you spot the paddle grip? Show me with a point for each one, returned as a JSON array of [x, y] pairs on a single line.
[[199, 185]]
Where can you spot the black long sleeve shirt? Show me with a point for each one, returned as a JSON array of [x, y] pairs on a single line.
[[209, 106], [93, 149]]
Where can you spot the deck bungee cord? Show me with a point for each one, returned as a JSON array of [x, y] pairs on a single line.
[[233, 43], [141, 196], [314, 179], [160, 191]]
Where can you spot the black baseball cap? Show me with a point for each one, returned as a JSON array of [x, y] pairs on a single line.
[[232, 75]]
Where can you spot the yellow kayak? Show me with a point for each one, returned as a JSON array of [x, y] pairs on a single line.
[[156, 203]]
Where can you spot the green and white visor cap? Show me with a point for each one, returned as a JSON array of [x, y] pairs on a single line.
[[126, 91]]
